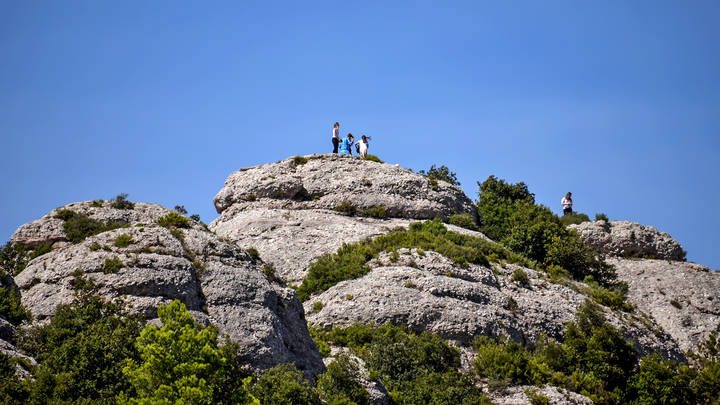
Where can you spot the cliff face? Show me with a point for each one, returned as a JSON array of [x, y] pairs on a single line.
[[217, 281], [298, 209]]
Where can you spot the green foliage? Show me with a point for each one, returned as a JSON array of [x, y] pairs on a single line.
[[659, 381], [612, 296], [340, 382], [317, 306], [537, 398], [299, 160], [123, 240], [373, 158], [112, 265], [269, 271], [78, 226], [346, 207], [13, 258], [464, 220], [180, 209], [434, 186], [39, 251], [179, 363], [376, 212], [570, 253], [441, 173], [195, 217], [284, 385], [349, 261], [574, 218], [121, 202], [11, 307], [95, 246], [97, 203], [601, 217], [520, 276], [12, 388], [174, 219], [251, 197], [415, 368], [594, 360], [497, 202], [253, 253], [81, 351]]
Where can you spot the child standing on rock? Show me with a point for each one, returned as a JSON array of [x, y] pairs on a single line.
[[362, 146]]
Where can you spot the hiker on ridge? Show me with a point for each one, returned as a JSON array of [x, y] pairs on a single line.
[[346, 144], [336, 137], [567, 203], [362, 146]]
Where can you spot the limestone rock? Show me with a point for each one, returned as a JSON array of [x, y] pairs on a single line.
[[326, 181], [517, 395], [430, 293], [629, 239], [291, 239], [216, 280], [683, 298]]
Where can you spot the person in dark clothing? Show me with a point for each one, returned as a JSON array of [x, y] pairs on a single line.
[[336, 137]]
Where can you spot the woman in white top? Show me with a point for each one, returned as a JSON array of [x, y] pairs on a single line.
[[363, 146], [567, 203], [336, 137]]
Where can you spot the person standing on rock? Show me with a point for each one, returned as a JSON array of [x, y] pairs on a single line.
[[346, 144], [363, 146], [336, 137], [567, 203]]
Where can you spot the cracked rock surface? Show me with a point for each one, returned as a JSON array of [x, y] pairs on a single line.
[[629, 239], [217, 281]]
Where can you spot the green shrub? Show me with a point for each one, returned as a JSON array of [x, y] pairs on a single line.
[[520, 276], [11, 307], [195, 217], [39, 251], [441, 173], [13, 258], [112, 265], [180, 363], [612, 296], [497, 202], [123, 240], [253, 253], [376, 212], [251, 197], [464, 220], [121, 202], [340, 382], [174, 219], [504, 362], [317, 306], [373, 158], [97, 203], [349, 261], [570, 253], [81, 352], [601, 217], [269, 271], [574, 218], [13, 390], [434, 186], [180, 209], [659, 381], [78, 226], [284, 385], [346, 207], [299, 161]]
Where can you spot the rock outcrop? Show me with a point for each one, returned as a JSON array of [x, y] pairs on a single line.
[[683, 298], [518, 395], [629, 239], [216, 280], [428, 292], [287, 211]]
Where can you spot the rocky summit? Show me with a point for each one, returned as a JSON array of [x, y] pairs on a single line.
[[243, 271]]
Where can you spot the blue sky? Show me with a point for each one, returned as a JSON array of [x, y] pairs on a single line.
[[618, 102]]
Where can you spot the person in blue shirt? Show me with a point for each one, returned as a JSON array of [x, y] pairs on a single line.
[[346, 144]]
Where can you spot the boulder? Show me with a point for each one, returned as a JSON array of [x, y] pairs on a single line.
[[518, 395], [333, 180], [629, 239], [683, 298], [428, 292], [218, 282]]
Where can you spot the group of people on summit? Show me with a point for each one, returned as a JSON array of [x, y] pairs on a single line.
[[346, 145]]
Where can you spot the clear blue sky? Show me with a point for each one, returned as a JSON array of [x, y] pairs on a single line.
[[616, 101]]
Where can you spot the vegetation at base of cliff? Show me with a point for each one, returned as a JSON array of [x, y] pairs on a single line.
[[11, 307], [78, 226], [174, 219], [595, 360], [441, 173], [508, 214], [350, 260], [415, 368]]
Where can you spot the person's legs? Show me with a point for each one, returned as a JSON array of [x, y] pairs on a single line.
[[335, 142], [567, 211]]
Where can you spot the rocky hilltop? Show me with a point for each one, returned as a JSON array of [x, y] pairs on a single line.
[[278, 220]]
